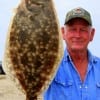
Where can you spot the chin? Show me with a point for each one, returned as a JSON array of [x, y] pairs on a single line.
[[77, 49]]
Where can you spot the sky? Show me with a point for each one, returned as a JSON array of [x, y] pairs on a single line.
[[7, 9]]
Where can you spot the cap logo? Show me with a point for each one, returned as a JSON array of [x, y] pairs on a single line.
[[78, 11]]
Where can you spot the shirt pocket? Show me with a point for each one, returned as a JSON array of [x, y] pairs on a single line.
[[65, 89], [98, 90]]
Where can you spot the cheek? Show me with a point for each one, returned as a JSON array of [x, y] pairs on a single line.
[[66, 36], [89, 38]]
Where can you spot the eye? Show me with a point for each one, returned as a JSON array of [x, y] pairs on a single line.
[[83, 30], [72, 29]]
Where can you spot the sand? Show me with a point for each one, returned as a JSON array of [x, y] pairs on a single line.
[[8, 90]]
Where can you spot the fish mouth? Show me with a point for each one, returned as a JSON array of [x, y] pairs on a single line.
[[34, 6]]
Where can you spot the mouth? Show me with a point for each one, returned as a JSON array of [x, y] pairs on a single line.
[[77, 42]]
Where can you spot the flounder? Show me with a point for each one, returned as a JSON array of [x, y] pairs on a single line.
[[34, 47]]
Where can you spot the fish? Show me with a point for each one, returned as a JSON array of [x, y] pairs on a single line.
[[34, 47]]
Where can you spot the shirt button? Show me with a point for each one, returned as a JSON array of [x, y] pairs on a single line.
[[80, 86], [86, 87], [64, 83]]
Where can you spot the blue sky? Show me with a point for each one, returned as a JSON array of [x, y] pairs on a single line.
[[62, 6]]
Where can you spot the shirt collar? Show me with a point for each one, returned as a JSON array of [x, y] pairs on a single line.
[[66, 56], [92, 59], [60, 76]]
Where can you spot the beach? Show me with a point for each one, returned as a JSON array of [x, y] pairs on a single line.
[[8, 90]]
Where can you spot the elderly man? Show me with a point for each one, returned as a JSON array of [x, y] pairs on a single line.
[[78, 75]]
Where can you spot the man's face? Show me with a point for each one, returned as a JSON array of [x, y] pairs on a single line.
[[77, 34]]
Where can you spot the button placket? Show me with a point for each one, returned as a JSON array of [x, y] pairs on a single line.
[[83, 91]]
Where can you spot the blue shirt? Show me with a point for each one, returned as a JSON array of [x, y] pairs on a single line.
[[67, 84]]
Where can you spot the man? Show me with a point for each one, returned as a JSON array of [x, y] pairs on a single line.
[[78, 76]]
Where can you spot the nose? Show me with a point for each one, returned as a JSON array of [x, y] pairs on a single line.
[[78, 33]]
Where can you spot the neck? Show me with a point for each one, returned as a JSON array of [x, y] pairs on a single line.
[[80, 60], [78, 55]]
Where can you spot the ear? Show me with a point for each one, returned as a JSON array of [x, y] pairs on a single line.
[[63, 32], [92, 34]]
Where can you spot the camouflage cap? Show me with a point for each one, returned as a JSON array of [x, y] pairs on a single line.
[[78, 13]]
